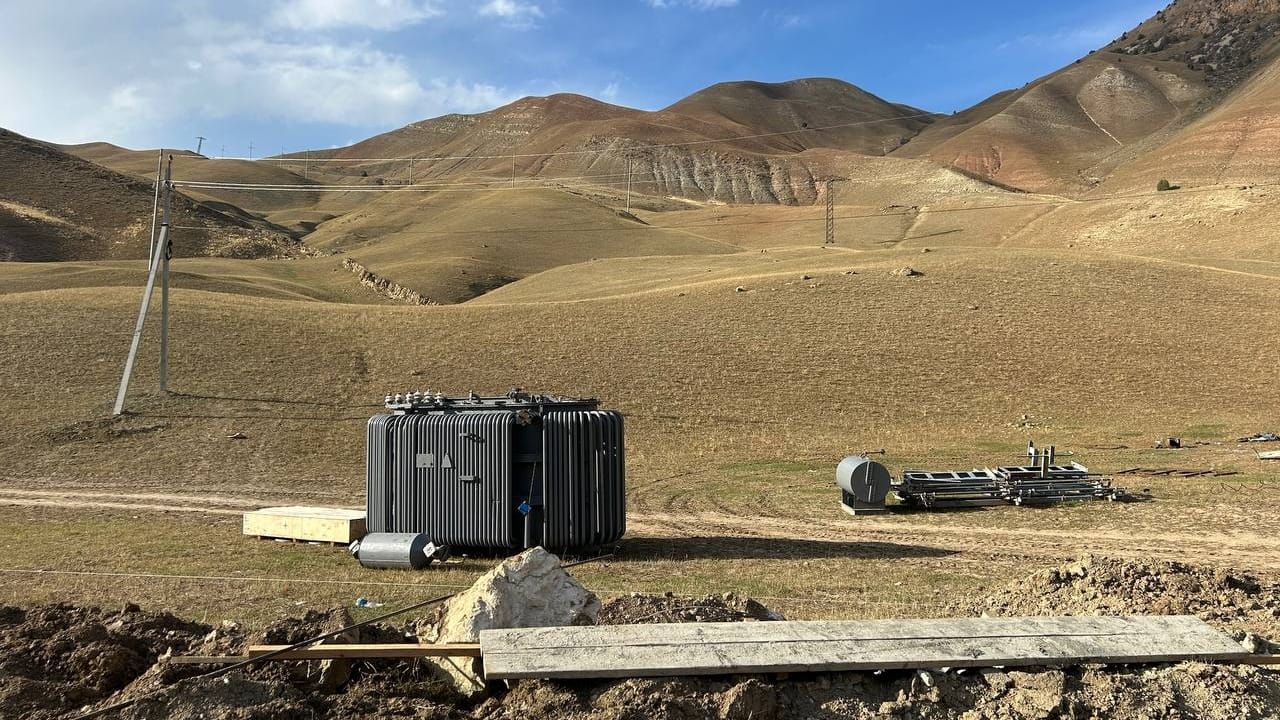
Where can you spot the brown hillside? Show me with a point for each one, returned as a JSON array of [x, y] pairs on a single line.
[[1070, 130], [1227, 39], [450, 247], [54, 206], [1059, 133], [755, 107], [686, 150], [296, 211], [1237, 143]]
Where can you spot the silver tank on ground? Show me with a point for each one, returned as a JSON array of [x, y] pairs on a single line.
[[400, 551], [863, 483]]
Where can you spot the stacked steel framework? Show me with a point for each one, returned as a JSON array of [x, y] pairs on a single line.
[[1040, 483]]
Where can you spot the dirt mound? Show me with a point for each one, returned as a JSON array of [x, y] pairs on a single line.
[[230, 697], [1188, 690], [99, 430], [57, 658], [638, 608], [1103, 586]]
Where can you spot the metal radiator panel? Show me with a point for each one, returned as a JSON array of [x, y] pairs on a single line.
[[378, 464], [452, 479], [584, 479]]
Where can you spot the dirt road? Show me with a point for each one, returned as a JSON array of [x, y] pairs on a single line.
[[1239, 550]]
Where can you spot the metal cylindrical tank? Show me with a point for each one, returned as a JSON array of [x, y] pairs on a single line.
[[401, 551], [864, 483]]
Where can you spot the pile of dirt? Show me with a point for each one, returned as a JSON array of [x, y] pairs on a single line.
[[639, 608], [1179, 691], [1186, 690], [55, 659], [1106, 586]]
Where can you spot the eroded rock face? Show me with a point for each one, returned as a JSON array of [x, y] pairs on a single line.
[[528, 590]]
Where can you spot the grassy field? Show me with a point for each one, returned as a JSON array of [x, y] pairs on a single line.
[[739, 405]]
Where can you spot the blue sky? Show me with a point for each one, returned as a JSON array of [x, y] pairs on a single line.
[[292, 74]]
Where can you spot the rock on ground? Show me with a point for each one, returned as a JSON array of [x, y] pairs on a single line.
[[528, 590]]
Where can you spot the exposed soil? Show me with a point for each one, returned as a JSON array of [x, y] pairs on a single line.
[[57, 660], [99, 430], [638, 608], [1104, 586]]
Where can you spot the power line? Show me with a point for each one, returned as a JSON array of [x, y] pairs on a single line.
[[495, 186], [789, 221], [224, 184]]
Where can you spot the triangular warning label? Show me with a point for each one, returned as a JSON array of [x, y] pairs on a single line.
[[446, 463]]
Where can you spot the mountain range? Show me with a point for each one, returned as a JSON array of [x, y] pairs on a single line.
[[1191, 95]]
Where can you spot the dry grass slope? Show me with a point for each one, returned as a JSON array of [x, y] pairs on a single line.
[[55, 206]]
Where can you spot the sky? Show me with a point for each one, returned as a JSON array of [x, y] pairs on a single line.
[[287, 75]]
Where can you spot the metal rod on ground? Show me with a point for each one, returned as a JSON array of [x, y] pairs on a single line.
[[318, 638], [165, 252]]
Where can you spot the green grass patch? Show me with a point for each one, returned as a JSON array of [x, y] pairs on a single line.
[[1205, 431]]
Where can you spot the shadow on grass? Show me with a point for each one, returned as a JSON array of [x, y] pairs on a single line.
[[748, 548]]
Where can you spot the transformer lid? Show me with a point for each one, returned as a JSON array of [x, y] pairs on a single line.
[[419, 401]]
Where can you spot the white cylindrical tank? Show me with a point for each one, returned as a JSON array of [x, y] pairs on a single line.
[[863, 483]]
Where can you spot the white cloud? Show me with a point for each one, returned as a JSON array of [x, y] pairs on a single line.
[[374, 14], [695, 4], [514, 13], [244, 73], [610, 92]]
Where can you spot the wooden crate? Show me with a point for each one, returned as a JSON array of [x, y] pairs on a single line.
[[312, 524]]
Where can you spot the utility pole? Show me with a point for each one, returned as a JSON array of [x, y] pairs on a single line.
[[165, 252], [513, 170], [158, 257], [628, 184], [830, 190], [155, 206], [250, 149], [223, 153], [200, 143], [410, 171], [306, 165]]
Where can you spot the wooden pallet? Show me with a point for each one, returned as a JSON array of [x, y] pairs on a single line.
[[306, 524]]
